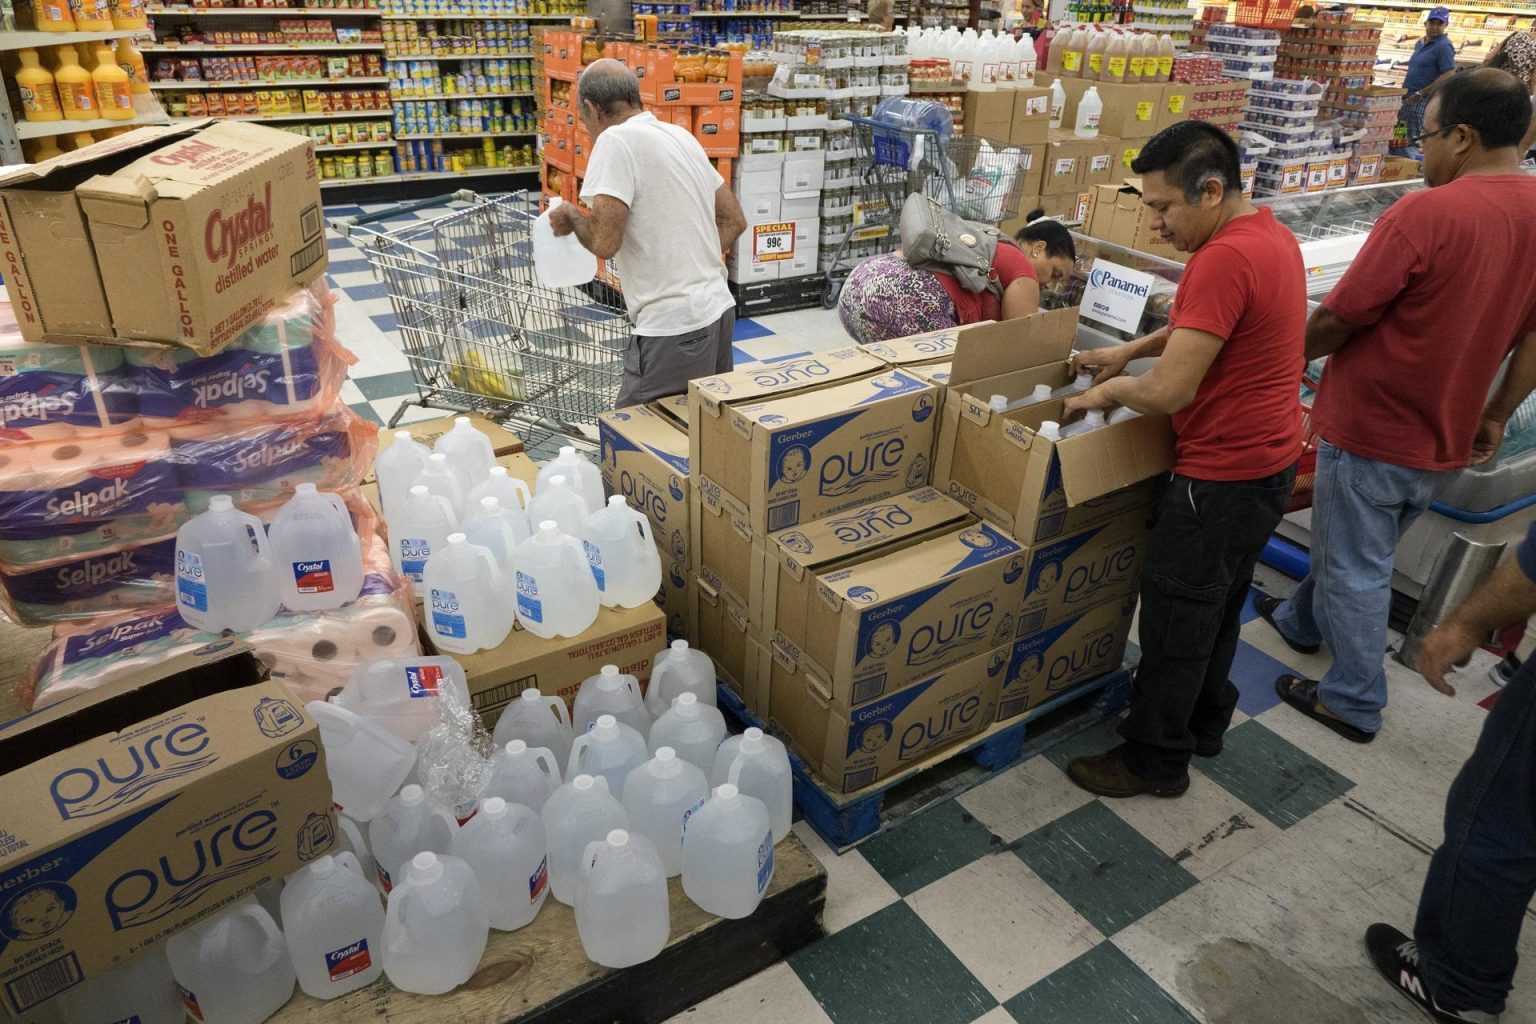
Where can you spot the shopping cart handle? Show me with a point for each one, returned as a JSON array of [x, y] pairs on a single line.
[[344, 226]]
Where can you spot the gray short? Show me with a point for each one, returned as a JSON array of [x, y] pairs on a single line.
[[659, 366]]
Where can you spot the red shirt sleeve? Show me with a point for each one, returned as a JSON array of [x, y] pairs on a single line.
[[1009, 264], [1214, 292], [1388, 265]]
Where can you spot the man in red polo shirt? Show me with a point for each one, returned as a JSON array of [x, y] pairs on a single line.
[[1228, 371], [1442, 292]]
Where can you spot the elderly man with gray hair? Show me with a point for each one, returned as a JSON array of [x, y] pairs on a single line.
[[664, 215]]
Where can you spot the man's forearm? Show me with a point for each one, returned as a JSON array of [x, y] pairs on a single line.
[[585, 232], [1509, 596], [1327, 332], [1150, 345], [1519, 380], [730, 229]]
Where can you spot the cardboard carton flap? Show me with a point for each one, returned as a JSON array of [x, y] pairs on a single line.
[[921, 565], [225, 150], [1127, 453], [149, 136], [810, 370], [990, 350], [121, 200], [824, 542]]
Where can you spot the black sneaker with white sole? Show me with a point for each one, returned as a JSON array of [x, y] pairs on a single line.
[[1396, 957]]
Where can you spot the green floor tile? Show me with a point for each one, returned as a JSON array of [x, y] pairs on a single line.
[[1272, 775], [925, 848], [890, 967], [1086, 743], [386, 385], [1100, 987], [1104, 868]]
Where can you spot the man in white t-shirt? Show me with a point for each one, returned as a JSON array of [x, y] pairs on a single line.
[[664, 215]]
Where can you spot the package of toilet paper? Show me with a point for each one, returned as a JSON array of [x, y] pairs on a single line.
[[54, 392]]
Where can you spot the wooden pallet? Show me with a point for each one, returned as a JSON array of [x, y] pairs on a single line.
[[846, 819]]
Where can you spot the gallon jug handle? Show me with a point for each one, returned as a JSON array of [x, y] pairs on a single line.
[[334, 500], [578, 748], [272, 938], [591, 855], [545, 758], [259, 532], [525, 497], [734, 775], [645, 526], [484, 554], [562, 712], [348, 859]]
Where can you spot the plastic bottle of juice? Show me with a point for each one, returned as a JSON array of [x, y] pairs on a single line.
[[39, 97], [1117, 57], [77, 91], [1148, 48], [79, 140], [1098, 43], [128, 14], [132, 62], [92, 15], [52, 16], [44, 149]]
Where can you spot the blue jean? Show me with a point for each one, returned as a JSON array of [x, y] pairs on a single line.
[[1482, 878], [1360, 509]]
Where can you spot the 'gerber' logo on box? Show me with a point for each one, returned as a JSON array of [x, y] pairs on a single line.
[[179, 877], [130, 772], [224, 235]]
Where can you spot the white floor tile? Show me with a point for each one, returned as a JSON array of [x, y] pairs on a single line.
[[812, 330], [854, 888], [1204, 830], [1023, 799], [351, 394], [773, 996], [997, 1015]]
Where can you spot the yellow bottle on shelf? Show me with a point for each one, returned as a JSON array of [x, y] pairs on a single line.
[[77, 92], [131, 61], [92, 15], [113, 89], [129, 14], [39, 98], [52, 16], [44, 149], [85, 53], [80, 140]]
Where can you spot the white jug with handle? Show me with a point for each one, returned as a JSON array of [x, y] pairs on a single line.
[[561, 262]]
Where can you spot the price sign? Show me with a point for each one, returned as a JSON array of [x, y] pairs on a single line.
[[773, 242]]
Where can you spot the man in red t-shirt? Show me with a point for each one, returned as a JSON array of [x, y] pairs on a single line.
[[1442, 292], [1229, 368]]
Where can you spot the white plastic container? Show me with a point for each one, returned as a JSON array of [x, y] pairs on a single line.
[[1050, 430], [319, 558], [580, 475], [538, 721], [610, 692], [509, 490], [334, 926], [504, 845], [622, 916], [1122, 414], [758, 765], [1089, 110], [691, 728], [658, 797], [141, 990], [468, 450], [408, 824], [1058, 101], [576, 814], [610, 749], [397, 467], [561, 262], [436, 927], [444, 480], [559, 501], [1093, 419], [365, 761], [728, 854], [401, 694], [556, 594], [225, 576], [352, 838], [467, 607], [622, 553], [233, 968], [677, 670], [523, 776], [1082, 382], [420, 525], [497, 529]]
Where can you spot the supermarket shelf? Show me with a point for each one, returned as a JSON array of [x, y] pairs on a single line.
[[747, 14], [473, 172], [465, 136], [386, 144], [286, 12], [458, 56], [31, 40], [258, 47], [292, 83], [332, 115], [403, 98], [480, 17], [42, 129], [1460, 8]]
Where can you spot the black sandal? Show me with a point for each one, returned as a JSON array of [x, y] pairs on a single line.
[[1301, 694]]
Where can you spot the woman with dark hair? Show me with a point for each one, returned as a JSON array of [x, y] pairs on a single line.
[[1517, 55], [886, 297]]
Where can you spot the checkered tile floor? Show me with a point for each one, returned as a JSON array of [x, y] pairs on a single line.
[[1025, 900]]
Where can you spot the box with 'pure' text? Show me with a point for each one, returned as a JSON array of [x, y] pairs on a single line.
[[1053, 660], [645, 459], [1080, 570]]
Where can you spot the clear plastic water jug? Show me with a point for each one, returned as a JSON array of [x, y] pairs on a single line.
[[408, 824], [225, 575], [466, 604], [401, 694], [468, 450], [678, 670], [538, 721], [352, 837], [334, 925], [559, 502], [728, 854], [691, 728], [319, 557], [444, 480], [576, 814], [141, 990], [561, 262], [623, 556], [397, 467], [523, 776], [622, 916], [610, 749], [556, 594], [497, 529], [581, 475], [365, 761], [233, 968], [610, 692], [420, 525], [1093, 419], [758, 765], [505, 488], [504, 845], [436, 927], [658, 797]]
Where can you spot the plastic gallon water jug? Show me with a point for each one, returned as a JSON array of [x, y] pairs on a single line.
[[334, 925], [524, 776], [556, 594], [225, 576], [436, 926], [1089, 109], [758, 765], [140, 990], [678, 670], [1082, 382], [504, 845], [559, 502], [538, 721], [509, 490], [691, 728], [233, 968], [497, 529], [728, 853], [352, 838], [581, 475], [319, 558], [610, 692], [365, 761], [561, 262], [401, 694], [1122, 414], [408, 824], [1050, 430], [576, 814], [658, 797], [397, 467], [444, 480], [1058, 98], [623, 556], [468, 450], [622, 917], [610, 749], [1093, 419], [466, 605], [419, 526]]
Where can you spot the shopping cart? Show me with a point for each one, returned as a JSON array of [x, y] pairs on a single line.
[[978, 179], [1306, 467], [479, 329]]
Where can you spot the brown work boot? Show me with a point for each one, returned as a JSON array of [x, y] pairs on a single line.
[[1109, 775]]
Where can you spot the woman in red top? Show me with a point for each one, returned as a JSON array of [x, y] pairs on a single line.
[[885, 297]]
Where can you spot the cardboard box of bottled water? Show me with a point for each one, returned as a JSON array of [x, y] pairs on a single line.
[[725, 543], [1080, 570], [1053, 660], [139, 807], [644, 457], [675, 598], [723, 630]]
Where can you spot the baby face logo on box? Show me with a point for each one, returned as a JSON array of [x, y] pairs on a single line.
[[314, 577], [794, 463], [37, 911], [343, 963]]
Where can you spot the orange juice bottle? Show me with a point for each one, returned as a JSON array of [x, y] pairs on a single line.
[[43, 149], [113, 89], [129, 14], [77, 92], [52, 16], [131, 61], [92, 15], [39, 98], [80, 140]]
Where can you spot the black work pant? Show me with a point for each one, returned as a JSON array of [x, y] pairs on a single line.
[[1206, 538]]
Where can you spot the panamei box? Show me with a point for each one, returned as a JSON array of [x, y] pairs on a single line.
[[1051, 661], [645, 459], [1084, 569], [140, 807]]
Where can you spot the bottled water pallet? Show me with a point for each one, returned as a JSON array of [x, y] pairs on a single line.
[[845, 820]]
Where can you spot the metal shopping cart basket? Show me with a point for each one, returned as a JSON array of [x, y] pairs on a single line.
[[976, 178], [479, 329]]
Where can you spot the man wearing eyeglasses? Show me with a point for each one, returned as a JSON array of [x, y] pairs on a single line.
[[1442, 292]]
